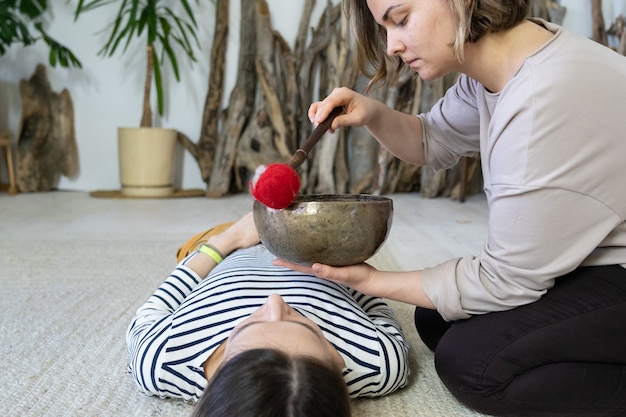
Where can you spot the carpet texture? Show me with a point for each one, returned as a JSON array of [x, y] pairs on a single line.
[[67, 295]]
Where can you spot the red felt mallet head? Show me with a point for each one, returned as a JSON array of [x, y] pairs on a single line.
[[277, 185]]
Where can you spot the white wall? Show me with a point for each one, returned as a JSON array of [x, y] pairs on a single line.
[[578, 15], [107, 92]]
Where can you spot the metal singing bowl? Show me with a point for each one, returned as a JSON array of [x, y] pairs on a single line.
[[336, 230]]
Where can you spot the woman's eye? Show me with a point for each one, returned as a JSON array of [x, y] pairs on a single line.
[[401, 22]]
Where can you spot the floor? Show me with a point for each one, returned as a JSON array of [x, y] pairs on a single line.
[[74, 268]]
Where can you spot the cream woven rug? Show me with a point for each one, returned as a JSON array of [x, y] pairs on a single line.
[[72, 272]]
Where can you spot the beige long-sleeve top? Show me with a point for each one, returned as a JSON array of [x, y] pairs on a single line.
[[553, 153]]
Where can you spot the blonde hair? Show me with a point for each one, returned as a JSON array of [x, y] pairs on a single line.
[[474, 18]]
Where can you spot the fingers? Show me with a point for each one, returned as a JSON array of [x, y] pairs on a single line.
[[339, 97], [313, 112], [295, 267], [317, 269], [328, 272], [318, 113]]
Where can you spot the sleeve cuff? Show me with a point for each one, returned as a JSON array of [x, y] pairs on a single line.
[[440, 286]]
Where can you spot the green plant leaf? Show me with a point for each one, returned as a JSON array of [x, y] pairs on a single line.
[[52, 57], [142, 22], [13, 30], [129, 28], [94, 4], [58, 53], [33, 8], [152, 25], [132, 23], [170, 53], [183, 28], [8, 5], [189, 12]]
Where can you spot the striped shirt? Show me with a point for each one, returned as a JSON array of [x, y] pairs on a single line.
[[187, 318]]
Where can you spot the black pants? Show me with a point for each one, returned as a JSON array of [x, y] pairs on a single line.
[[563, 355]]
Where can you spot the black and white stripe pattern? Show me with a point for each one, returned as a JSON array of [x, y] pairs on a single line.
[[181, 324]]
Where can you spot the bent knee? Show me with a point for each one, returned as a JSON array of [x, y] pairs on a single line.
[[467, 368]]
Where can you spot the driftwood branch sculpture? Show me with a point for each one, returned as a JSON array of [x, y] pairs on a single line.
[[46, 146]]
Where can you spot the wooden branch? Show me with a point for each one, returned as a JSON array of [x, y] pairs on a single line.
[[618, 30], [556, 12], [432, 183], [384, 158], [256, 145], [290, 100], [210, 116], [343, 46], [345, 76], [538, 8], [188, 144], [303, 31], [622, 37], [363, 165], [240, 106], [266, 78], [330, 172], [327, 147], [598, 30], [319, 41], [204, 151], [402, 176]]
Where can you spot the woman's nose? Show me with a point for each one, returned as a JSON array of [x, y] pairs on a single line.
[[275, 308], [394, 45]]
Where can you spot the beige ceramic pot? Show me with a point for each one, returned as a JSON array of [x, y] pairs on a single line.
[[146, 157]]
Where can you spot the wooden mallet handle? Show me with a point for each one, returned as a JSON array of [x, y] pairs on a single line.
[[302, 153]]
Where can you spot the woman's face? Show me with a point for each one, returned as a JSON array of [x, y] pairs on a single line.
[[276, 325], [420, 32]]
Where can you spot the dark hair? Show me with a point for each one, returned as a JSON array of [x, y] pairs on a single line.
[[270, 383], [474, 19]]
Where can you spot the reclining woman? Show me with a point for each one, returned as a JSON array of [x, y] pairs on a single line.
[[242, 335]]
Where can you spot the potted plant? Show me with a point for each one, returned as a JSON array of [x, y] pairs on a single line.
[[147, 153]]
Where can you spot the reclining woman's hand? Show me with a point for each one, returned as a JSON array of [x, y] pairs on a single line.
[[359, 277], [242, 234]]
